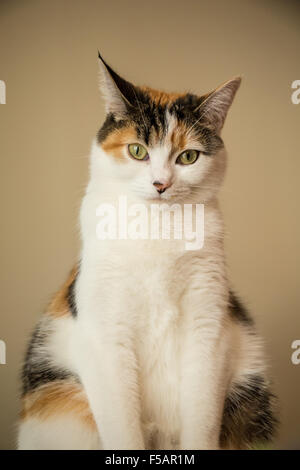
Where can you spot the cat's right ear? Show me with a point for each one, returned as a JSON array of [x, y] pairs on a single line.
[[119, 95]]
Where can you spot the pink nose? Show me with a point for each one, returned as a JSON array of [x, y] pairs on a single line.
[[161, 187]]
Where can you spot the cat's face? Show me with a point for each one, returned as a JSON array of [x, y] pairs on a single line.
[[167, 147]]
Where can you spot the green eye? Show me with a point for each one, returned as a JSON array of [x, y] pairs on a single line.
[[188, 157], [138, 151]]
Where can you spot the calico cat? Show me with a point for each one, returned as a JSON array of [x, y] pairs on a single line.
[[146, 346]]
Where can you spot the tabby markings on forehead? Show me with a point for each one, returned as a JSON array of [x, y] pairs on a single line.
[[158, 115]]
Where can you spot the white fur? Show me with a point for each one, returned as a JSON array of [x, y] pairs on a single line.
[[57, 433]]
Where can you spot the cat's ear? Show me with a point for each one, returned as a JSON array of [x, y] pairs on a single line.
[[119, 95], [215, 105]]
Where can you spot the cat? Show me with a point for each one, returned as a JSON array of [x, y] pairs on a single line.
[[146, 346]]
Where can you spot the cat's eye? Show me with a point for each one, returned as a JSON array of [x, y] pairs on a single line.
[[188, 157], [138, 152]]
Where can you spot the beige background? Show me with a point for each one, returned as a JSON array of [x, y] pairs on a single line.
[[48, 54]]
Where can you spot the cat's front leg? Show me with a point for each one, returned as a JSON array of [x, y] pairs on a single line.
[[107, 367], [109, 376], [205, 372]]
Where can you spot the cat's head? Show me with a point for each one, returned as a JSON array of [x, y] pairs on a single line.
[[163, 146]]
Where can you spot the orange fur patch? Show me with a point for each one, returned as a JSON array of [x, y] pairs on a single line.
[[59, 305], [161, 97], [179, 137], [116, 140], [58, 398]]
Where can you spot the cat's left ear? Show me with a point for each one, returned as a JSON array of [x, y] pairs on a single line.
[[119, 95], [215, 105]]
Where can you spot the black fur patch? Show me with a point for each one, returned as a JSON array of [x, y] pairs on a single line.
[[71, 299], [249, 418], [38, 369], [238, 311], [110, 124]]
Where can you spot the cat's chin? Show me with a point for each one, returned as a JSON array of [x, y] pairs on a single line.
[[163, 199]]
